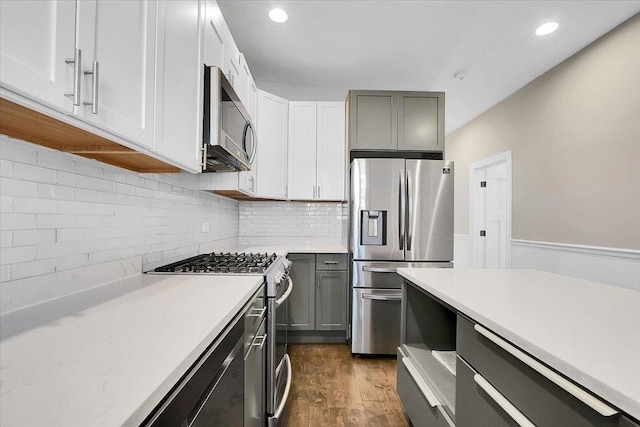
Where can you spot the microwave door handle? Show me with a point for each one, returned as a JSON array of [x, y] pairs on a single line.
[[250, 156]]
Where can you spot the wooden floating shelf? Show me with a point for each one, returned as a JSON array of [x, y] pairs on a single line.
[[24, 123]]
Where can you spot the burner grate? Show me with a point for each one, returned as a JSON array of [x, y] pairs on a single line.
[[236, 263]]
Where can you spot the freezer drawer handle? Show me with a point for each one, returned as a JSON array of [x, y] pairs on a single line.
[[379, 270], [586, 398], [382, 297]]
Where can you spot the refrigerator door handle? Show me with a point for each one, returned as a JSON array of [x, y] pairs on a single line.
[[401, 209], [409, 209]]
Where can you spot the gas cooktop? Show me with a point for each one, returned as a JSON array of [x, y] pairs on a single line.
[[234, 263]]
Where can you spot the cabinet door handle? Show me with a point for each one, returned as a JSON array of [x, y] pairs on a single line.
[[94, 87], [586, 398], [506, 406], [77, 81]]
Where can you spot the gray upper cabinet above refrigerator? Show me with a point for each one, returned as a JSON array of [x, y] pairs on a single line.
[[396, 121]]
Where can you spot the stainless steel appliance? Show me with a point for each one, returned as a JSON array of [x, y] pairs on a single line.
[[229, 138], [278, 374], [401, 216]]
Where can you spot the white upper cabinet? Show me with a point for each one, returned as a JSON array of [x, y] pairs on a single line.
[[302, 150], [214, 36], [316, 151], [180, 80], [247, 90], [331, 151], [36, 39], [272, 146], [118, 40]]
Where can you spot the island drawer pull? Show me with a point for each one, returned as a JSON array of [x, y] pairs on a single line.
[[422, 385], [506, 406], [426, 390], [586, 398]]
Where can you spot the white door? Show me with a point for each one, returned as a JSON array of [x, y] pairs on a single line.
[[273, 114], [178, 113], [118, 41], [331, 151], [36, 37], [302, 151], [490, 212], [494, 244]]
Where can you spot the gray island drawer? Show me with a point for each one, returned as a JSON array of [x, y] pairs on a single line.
[[331, 262], [538, 398]]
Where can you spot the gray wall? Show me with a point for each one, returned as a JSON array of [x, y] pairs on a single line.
[[574, 133]]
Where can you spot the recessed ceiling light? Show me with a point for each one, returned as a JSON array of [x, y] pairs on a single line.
[[547, 28], [278, 15]]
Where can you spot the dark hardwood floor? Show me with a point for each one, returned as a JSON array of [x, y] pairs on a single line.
[[333, 388]]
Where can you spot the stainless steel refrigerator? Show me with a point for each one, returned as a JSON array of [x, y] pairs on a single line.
[[401, 215]]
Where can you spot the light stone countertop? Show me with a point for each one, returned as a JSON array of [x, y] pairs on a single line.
[[588, 331], [108, 355]]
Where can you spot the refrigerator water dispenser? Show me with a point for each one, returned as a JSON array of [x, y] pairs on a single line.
[[373, 228]]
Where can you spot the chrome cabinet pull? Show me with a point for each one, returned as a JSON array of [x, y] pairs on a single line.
[[502, 402], [263, 339], [260, 312], [586, 398], [94, 87], [77, 81], [331, 262], [318, 191]]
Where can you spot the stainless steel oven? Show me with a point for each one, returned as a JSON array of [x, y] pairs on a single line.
[[279, 373]]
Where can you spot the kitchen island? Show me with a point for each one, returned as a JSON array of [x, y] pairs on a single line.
[[584, 331], [108, 355]]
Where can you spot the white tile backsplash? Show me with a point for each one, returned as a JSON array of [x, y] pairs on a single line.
[[61, 212], [312, 222]]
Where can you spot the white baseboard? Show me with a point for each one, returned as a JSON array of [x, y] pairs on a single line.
[[461, 251], [613, 266]]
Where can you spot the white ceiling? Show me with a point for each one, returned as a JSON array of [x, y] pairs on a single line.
[[329, 47]]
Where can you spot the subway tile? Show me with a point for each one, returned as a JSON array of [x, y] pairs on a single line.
[[16, 255], [33, 237], [15, 187], [55, 192], [34, 173], [31, 269], [37, 206], [53, 221], [17, 151], [18, 221]]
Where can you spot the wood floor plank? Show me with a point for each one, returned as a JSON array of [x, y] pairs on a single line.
[[333, 388]]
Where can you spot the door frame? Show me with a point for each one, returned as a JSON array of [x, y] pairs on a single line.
[[474, 201]]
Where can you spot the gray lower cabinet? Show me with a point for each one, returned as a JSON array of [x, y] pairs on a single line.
[[331, 301], [318, 302], [302, 298]]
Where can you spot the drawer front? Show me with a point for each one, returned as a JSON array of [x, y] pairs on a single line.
[[331, 262], [538, 398], [414, 403], [479, 409]]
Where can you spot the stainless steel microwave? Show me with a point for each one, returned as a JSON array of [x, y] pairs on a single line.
[[228, 133]]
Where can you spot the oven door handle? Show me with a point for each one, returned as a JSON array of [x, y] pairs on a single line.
[[284, 297], [287, 390]]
